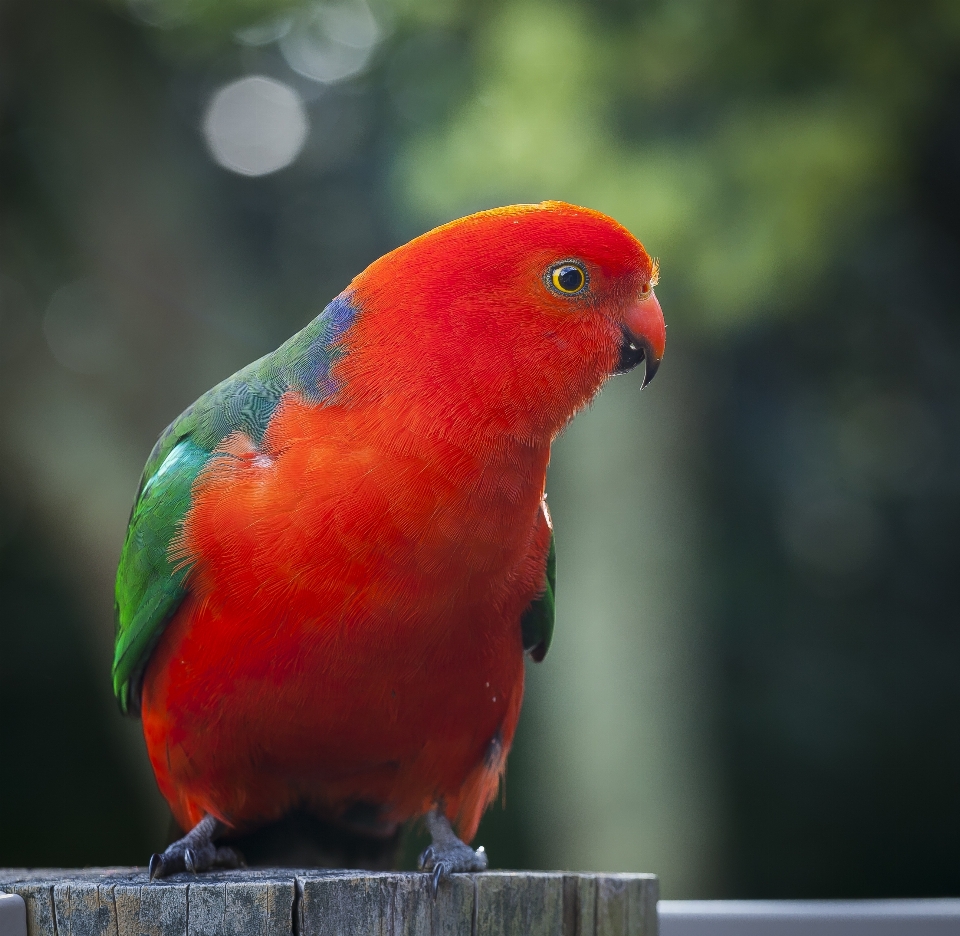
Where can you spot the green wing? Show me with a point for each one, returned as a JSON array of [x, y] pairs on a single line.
[[536, 625], [150, 586]]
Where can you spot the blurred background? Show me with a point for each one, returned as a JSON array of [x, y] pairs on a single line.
[[754, 687]]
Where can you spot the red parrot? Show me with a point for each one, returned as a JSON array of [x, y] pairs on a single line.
[[338, 557]]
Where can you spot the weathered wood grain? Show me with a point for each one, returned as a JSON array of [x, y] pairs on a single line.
[[515, 902], [281, 902]]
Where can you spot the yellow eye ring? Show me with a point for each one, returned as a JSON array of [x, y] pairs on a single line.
[[568, 278]]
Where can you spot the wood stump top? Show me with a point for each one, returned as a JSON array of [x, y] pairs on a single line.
[[291, 902]]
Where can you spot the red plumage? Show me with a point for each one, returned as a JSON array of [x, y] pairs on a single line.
[[352, 631]]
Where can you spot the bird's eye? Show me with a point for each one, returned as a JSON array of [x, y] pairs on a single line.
[[568, 278]]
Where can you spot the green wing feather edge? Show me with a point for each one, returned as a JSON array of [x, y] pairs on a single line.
[[537, 622], [150, 586]]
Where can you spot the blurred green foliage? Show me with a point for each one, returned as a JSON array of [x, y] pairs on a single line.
[[743, 141]]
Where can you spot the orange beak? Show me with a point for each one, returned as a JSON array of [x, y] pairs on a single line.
[[644, 337]]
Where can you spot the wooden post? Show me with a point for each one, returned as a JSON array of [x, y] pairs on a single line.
[[280, 902]]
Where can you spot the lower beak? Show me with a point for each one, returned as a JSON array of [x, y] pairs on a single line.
[[644, 337]]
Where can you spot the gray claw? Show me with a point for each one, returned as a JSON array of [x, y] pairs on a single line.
[[426, 859], [170, 862], [447, 854], [195, 852], [440, 871]]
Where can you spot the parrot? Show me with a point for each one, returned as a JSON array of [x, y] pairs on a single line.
[[339, 558]]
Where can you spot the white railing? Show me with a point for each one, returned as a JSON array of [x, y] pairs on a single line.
[[934, 917], [13, 915]]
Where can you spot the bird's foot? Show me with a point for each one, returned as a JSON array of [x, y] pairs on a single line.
[[447, 854], [196, 852]]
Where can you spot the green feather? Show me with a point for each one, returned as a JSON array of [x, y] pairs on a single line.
[[150, 586], [537, 622]]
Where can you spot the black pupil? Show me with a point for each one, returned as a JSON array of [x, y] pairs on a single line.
[[570, 278]]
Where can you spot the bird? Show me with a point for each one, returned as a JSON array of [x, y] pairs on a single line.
[[339, 557]]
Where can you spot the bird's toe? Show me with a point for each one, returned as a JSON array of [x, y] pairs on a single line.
[[443, 860], [169, 862]]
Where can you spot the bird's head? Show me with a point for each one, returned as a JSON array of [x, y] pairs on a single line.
[[508, 320]]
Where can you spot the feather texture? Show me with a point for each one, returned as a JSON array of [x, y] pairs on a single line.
[[150, 586], [338, 557]]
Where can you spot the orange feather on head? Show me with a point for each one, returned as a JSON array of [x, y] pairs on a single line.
[[352, 632]]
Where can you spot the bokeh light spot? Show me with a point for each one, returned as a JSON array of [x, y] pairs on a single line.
[[255, 125], [332, 41]]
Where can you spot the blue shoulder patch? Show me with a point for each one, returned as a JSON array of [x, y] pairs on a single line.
[[310, 370]]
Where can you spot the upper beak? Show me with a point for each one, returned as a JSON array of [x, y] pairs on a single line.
[[644, 337]]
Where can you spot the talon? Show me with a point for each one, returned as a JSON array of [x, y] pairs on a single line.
[[447, 855], [195, 852], [438, 873]]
